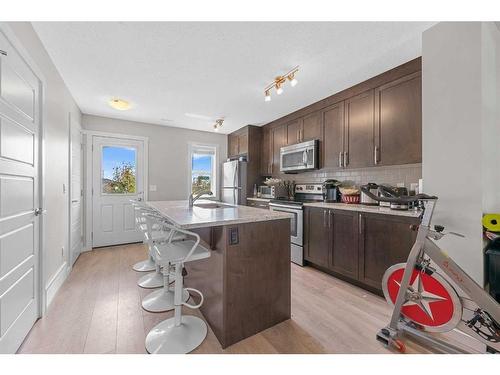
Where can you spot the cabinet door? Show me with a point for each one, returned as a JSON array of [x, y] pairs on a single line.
[[359, 128], [232, 145], [265, 160], [398, 121], [384, 241], [278, 141], [333, 138], [344, 258], [311, 127], [294, 131], [318, 236], [243, 143]]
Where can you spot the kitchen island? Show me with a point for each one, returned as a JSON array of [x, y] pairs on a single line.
[[246, 281]]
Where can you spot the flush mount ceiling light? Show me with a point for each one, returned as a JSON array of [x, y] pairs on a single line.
[[218, 124], [279, 82], [119, 104]]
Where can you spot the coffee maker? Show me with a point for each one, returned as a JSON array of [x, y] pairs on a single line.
[[331, 192]]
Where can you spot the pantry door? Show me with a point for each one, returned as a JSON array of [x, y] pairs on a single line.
[[20, 211], [118, 177]]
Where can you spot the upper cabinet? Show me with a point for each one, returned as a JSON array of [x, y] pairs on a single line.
[[358, 139], [305, 128], [398, 121], [237, 143], [333, 138]]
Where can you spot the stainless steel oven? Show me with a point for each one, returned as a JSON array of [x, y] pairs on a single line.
[[296, 228], [299, 157]]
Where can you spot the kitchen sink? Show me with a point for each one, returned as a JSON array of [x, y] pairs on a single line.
[[211, 205]]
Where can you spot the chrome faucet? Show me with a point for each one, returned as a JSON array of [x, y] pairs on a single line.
[[195, 196]]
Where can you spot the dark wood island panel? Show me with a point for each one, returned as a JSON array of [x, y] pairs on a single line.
[[246, 282]]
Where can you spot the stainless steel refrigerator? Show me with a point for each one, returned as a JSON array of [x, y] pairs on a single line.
[[234, 184]]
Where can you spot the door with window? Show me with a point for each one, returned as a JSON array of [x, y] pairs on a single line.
[[19, 198], [118, 173]]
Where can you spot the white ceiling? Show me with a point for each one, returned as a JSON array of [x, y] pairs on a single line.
[[216, 69]]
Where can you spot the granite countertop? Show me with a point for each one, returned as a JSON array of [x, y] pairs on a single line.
[[258, 199], [185, 217], [365, 208]]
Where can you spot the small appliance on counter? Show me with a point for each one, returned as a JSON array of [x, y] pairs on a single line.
[[273, 191], [389, 192], [331, 192], [365, 199]]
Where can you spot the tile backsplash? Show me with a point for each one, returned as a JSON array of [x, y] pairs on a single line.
[[390, 175]]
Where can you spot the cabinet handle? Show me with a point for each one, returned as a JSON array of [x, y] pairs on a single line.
[[375, 156], [329, 219], [360, 224], [346, 160], [324, 218]]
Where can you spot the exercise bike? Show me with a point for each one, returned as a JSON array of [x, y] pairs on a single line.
[[425, 302]]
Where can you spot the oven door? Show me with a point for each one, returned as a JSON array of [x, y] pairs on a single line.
[[296, 223]]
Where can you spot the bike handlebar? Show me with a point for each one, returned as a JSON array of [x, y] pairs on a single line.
[[403, 199]]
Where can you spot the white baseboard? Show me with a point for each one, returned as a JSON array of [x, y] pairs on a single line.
[[55, 283]]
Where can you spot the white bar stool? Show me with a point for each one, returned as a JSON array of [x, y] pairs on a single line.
[[146, 265], [154, 233], [180, 334], [162, 300]]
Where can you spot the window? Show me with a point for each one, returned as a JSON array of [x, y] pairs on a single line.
[[118, 170], [203, 165]]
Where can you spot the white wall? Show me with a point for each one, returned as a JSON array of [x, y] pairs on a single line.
[[58, 104], [168, 152], [458, 66]]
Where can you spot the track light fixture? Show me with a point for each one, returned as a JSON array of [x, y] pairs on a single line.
[[279, 82], [218, 124]]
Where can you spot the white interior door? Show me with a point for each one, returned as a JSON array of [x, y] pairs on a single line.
[[19, 222], [76, 192], [118, 174]]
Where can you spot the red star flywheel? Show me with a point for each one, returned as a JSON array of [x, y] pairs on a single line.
[[430, 300]]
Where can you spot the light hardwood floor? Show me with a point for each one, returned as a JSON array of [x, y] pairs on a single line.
[[98, 310]]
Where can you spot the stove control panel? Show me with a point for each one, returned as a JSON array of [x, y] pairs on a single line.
[[309, 188]]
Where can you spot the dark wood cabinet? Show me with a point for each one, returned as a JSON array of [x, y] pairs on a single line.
[[294, 132], [354, 245], [232, 145], [311, 127], [398, 121], [266, 154], [384, 241], [359, 137], [317, 236], [237, 142], [278, 140], [333, 138], [344, 254]]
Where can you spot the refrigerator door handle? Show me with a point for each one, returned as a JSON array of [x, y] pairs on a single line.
[[235, 174]]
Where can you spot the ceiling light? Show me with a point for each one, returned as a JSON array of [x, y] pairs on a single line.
[[279, 82], [218, 124], [119, 104]]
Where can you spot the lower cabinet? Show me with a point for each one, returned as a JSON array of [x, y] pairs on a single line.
[[358, 246]]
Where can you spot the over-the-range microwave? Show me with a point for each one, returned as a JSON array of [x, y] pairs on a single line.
[[299, 157]]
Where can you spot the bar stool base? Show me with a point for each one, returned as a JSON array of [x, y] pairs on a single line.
[[166, 338], [161, 301], [144, 266], [151, 280]]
